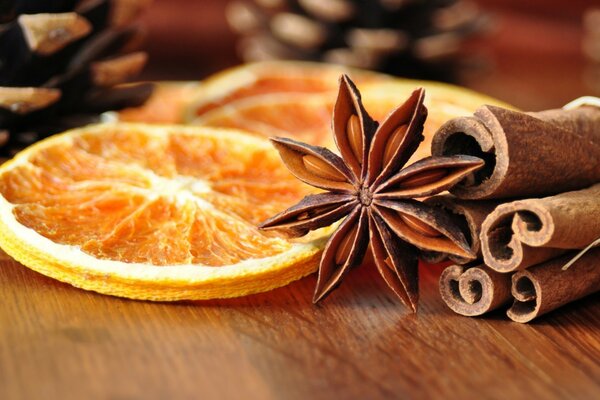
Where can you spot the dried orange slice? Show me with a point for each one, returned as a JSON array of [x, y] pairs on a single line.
[[153, 212], [182, 102], [300, 116], [308, 117], [295, 99], [272, 77]]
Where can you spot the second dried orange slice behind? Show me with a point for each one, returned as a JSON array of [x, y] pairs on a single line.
[[183, 102], [307, 117]]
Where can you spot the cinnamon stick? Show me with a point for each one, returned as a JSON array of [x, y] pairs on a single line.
[[468, 215], [526, 154], [523, 233], [473, 291], [545, 287]]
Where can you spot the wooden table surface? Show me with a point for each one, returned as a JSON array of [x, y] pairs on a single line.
[[57, 341], [60, 342]]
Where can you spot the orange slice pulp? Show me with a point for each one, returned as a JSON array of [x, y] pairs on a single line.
[[153, 212]]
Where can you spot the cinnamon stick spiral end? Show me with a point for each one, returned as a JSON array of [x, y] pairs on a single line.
[[525, 289], [523, 233], [516, 235], [473, 291], [562, 140], [546, 287], [469, 135]]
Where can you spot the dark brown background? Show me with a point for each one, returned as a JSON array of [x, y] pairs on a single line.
[[60, 342], [533, 48]]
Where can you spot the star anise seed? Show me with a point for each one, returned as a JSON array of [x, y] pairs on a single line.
[[369, 186]]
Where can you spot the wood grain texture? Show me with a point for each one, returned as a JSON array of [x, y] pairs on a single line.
[[57, 341]]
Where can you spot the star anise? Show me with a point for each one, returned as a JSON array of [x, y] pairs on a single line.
[[368, 185]]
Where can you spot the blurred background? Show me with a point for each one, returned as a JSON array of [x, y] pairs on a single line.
[[534, 54]]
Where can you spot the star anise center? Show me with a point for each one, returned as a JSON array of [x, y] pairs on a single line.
[[365, 196]]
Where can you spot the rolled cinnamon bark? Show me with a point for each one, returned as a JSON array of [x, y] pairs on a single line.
[[523, 233], [546, 287], [474, 291], [526, 154], [468, 215]]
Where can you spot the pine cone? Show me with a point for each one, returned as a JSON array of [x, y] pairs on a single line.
[[62, 63], [416, 38]]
